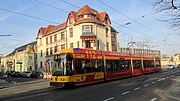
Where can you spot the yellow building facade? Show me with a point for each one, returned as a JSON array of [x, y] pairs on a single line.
[[21, 59], [86, 28]]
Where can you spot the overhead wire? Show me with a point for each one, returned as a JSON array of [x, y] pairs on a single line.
[[30, 16], [128, 17], [39, 10], [113, 21]]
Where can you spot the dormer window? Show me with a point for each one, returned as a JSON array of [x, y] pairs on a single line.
[[89, 15], [106, 20], [70, 20]]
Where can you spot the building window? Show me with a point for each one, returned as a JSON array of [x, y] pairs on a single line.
[[87, 28], [106, 32], [98, 44], [71, 32], [41, 53], [88, 43], [41, 64], [50, 39], [46, 40], [51, 51], [55, 37], [55, 49], [47, 53], [107, 44], [62, 36], [62, 46], [78, 44], [70, 20], [71, 45]]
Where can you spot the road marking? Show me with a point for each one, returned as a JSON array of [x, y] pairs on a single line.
[[109, 99], [27, 96], [159, 80], [153, 99], [163, 78], [137, 88], [153, 82], [125, 93], [146, 85], [19, 92]]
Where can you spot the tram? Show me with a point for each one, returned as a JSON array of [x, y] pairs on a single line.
[[78, 66]]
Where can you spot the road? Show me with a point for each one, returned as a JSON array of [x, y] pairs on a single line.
[[140, 88]]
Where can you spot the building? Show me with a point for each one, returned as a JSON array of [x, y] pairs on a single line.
[[1, 67], [86, 28], [174, 60], [21, 59]]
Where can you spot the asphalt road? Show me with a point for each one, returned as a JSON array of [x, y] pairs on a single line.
[[140, 88]]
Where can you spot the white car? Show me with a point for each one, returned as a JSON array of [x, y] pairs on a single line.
[[170, 66], [27, 74]]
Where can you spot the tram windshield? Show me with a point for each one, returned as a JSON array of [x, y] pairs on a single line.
[[65, 65]]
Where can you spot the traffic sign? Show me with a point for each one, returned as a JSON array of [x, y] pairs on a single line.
[[3, 67], [45, 63], [10, 63]]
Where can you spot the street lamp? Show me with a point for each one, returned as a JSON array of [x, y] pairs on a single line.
[[4, 35], [130, 44]]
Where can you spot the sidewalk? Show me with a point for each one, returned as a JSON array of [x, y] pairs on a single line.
[[174, 91]]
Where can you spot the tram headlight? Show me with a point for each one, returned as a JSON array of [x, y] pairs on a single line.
[[62, 79]]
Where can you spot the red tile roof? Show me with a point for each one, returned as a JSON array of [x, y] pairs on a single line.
[[84, 10]]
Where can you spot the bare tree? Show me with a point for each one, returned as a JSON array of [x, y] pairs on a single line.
[[170, 10]]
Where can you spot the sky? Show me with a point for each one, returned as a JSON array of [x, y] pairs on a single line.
[[135, 20]]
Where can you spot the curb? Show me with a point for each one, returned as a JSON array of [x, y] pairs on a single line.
[[3, 87]]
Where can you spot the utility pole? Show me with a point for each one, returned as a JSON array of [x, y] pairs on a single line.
[[130, 44]]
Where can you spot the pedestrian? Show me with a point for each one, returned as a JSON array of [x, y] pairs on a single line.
[[8, 77]]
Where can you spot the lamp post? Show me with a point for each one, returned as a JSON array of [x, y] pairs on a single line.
[[4, 35], [130, 44]]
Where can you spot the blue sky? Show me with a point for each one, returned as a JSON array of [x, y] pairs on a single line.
[[23, 29]]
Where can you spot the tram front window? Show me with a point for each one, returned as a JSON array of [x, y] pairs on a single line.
[[65, 67], [61, 60]]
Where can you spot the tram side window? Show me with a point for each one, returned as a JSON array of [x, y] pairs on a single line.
[[148, 63], [136, 64], [99, 66], [145, 63], [122, 65], [109, 65], [127, 64], [116, 64], [87, 66], [157, 63], [152, 63], [78, 64]]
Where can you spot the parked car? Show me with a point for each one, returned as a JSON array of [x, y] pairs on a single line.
[[178, 66], [37, 74], [26, 74], [17, 74], [11, 73], [1, 74], [170, 66]]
